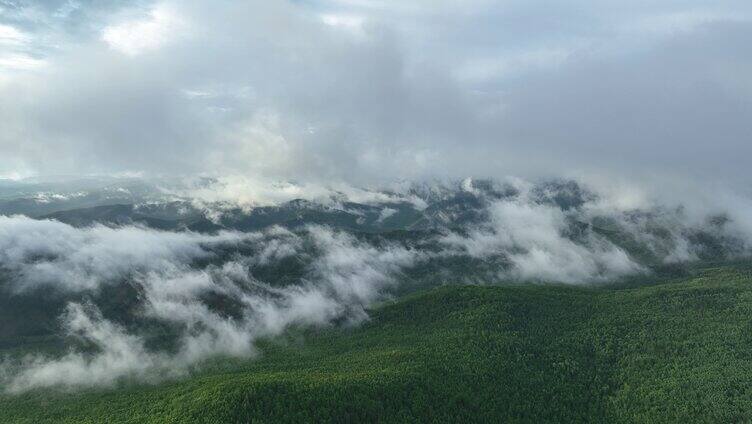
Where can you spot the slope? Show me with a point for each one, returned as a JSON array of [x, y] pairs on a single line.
[[674, 351]]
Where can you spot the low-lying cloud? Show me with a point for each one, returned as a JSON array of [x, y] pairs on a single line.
[[532, 238], [195, 296], [345, 277], [56, 254]]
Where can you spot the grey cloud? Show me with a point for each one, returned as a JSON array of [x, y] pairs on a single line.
[[533, 238], [683, 108], [269, 90], [600, 238]]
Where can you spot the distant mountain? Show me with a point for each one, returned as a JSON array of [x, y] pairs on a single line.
[[648, 236], [37, 198], [117, 215]]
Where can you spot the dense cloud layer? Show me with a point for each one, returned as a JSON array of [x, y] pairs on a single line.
[[376, 91]]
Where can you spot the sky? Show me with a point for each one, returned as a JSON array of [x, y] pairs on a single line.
[[375, 91]]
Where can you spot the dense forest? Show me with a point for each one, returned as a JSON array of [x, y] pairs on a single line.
[[672, 350]]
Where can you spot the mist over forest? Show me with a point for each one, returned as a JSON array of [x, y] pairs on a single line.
[[375, 211], [149, 289]]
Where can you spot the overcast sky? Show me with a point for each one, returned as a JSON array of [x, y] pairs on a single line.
[[370, 91]]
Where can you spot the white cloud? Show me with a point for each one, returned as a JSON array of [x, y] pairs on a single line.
[[352, 22], [82, 259], [12, 36], [345, 277], [532, 238], [21, 62], [161, 26], [234, 191]]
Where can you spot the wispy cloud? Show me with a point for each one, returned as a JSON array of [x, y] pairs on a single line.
[[344, 277]]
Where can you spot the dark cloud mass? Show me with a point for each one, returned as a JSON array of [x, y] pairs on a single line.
[[371, 92]]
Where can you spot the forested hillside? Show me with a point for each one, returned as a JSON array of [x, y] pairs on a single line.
[[674, 351]]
